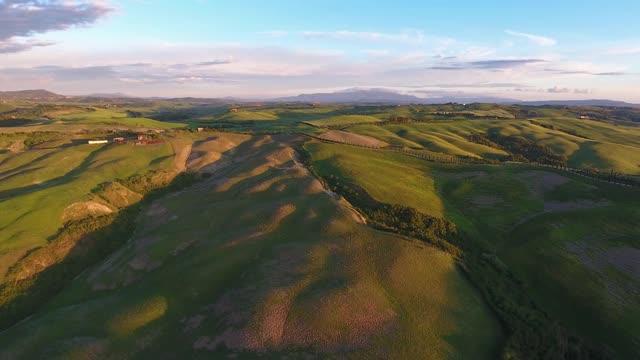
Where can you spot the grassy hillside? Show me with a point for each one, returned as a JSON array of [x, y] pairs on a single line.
[[258, 259], [596, 144], [388, 176], [114, 117], [572, 240], [37, 185], [343, 120], [6, 107]]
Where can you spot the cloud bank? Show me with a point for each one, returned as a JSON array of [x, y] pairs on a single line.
[[22, 19]]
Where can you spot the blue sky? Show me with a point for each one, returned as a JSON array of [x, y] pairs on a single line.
[[514, 49]]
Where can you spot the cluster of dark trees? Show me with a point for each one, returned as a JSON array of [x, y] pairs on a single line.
[[553, 127], [482, 139], [134, 114], [520, 149], [15, 122], [174, 115], [531, 333], [399, 120], [40, 137]]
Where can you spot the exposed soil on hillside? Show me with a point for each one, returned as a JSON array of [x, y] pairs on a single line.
[[180, 159], [15, 147], [81, 210]]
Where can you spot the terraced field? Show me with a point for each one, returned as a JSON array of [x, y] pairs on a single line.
[[260, 259]]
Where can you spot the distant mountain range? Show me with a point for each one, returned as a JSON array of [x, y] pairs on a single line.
[[355, 97], [117, 95], [349, 96], [593, 102], [381, 96], [39, 94]]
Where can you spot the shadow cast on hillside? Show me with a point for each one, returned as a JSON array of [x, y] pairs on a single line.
[[58, 181], [84, 243]]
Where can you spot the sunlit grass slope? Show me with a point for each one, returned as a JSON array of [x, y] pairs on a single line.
[[598, 145], [114, 117], [259, 261], [344, 120], [37, 185], [573, 240], [388, 176]]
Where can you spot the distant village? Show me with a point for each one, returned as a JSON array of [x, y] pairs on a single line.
[[140, 139]]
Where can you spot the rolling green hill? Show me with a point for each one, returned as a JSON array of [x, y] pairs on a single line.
[[318, 231], [573, 241], [598, 145], [259, 259], [344, 120]]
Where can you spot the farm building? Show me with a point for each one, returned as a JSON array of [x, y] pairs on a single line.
[[583, 117], [234, 110], [98, 142]]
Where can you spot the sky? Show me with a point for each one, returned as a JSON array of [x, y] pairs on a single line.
[[526, 50]]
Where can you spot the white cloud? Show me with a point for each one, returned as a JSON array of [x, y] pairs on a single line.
[[15, 45], [215, 70], [22, 19], [540, 40], [558, 90]]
